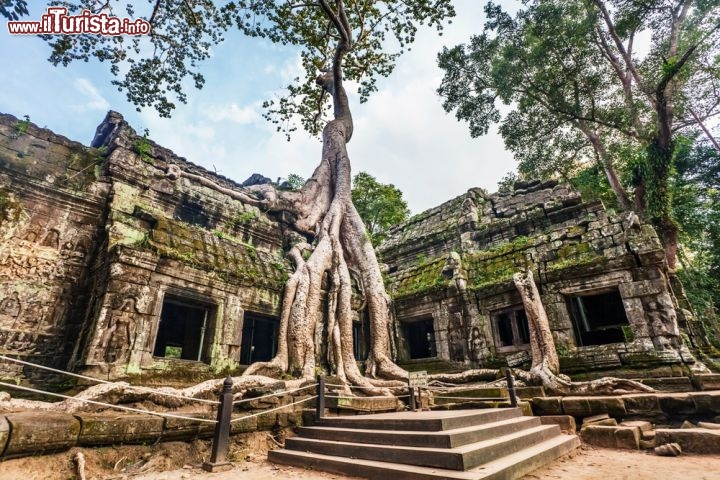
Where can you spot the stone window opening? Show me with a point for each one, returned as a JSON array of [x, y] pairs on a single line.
[[259, 338], [510, 329], [420, 337], [598, 319], [183, 330]]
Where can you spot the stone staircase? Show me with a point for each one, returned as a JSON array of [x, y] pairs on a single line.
[[461, 444]]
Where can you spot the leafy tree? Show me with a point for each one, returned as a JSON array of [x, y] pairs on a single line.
[[581, 94], [338, 42], [296, 181], [380, 205]]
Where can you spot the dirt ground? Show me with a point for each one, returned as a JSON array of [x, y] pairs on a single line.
[[181, 461]]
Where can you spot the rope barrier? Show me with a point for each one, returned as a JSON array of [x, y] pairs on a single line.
[[285, 392], [98, 380], [273, 409], [367, 398], [118, 407], [490, 399]]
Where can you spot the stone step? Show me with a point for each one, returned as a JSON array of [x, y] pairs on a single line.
[[421, 421], [509, 467], [435, 439], [459, 458]]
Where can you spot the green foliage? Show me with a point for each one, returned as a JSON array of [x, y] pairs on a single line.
[[22, 126], [296, 181], [241, 219], [581, 102], [380, 205], [155, 70], [142, 147]]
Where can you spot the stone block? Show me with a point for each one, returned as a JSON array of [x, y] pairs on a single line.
[[692, 440], [612, 436], [642, 425], [547, 405], [706, 402], [182, 429], [40, 432], [641, 404], [641, 288], [709, 425], [266, 421], [247, 424], [576, 406], [613, 406], [707, 381], [111, 429], [674, 404], [565, 422]]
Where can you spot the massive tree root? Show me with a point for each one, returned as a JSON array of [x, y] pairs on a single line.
[[118, 393], [545, 366], [323, 210]]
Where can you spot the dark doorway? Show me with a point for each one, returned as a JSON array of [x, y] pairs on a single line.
[[510, 329], [420, 337], [182, 332], [598, 319], [259, 339]]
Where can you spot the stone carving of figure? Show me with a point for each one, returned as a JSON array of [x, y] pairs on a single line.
[[663, 323], [120, 337], [477, 344], [455, 339], [10, 309]]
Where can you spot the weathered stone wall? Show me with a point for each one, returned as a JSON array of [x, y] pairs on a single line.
[[172, 236], [95, 238], [454, 264], [51, 212]]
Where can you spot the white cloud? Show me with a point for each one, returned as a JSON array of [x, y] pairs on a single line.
[[233, 113], [94, 99]]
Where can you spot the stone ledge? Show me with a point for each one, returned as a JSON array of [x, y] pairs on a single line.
[[692, 440], [33, 433]]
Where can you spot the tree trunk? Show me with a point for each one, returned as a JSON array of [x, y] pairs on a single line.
[[324, 209], [545, 363]]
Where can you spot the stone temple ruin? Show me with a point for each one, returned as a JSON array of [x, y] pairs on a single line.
[[113, 266]]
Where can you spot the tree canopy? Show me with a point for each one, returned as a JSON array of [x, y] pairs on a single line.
[[155, 69], [380, 205], [580, 92]]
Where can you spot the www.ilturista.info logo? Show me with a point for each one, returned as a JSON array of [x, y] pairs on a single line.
[[57, 21]]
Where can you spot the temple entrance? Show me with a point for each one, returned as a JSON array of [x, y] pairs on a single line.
[[420, 338], [598, 319], [182, 331], [259, 339]]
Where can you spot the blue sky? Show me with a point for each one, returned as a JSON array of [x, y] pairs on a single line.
[[402, 135]]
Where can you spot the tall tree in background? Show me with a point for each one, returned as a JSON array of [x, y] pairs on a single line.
[[379, 205], [580, 92], [357, 41]]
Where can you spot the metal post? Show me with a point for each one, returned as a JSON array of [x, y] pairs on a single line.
[[221, 440], [511, 388], [411, 392], [320, 403]]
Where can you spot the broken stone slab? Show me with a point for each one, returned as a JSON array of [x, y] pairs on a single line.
[[687, 424], [40, 432], [668, 450], [692, 440], [111, 429], [565, 422], [612, 436], [707, 403]]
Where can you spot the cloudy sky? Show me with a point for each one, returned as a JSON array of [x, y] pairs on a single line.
[[402, 135]]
